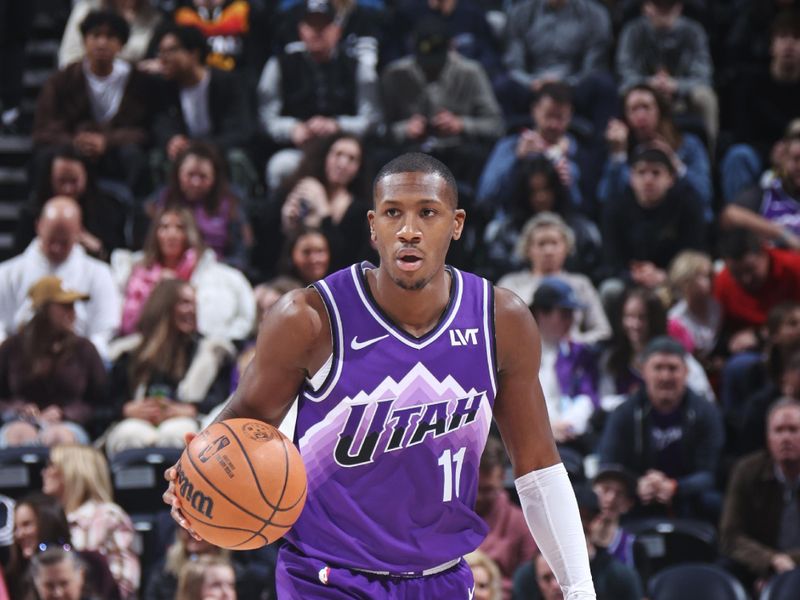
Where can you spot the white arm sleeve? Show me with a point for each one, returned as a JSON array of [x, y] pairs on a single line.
[[551, 511]]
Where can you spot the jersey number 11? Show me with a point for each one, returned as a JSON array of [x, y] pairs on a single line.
[[447, 460]]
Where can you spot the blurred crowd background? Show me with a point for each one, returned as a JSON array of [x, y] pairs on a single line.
[[631, 169]]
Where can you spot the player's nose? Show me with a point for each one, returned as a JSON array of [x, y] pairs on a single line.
[[409, 230]]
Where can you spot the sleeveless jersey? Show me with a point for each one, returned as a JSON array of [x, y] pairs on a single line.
[[392, 439]]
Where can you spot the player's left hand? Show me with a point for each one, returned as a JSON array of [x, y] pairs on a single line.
[[171, 498]]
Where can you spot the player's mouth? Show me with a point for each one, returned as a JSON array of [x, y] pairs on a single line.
[[408, 260]]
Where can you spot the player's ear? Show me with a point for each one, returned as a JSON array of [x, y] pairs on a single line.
[[371, 219], [458, 219]]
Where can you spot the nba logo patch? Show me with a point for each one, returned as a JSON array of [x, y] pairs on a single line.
[[323, 575]]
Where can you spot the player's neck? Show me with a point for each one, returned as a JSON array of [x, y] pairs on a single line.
[[415, 311]]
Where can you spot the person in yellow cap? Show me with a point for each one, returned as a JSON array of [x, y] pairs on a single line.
[[52, 381], [56, 251]]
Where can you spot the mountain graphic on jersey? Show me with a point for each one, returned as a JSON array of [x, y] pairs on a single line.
[[394, 416]]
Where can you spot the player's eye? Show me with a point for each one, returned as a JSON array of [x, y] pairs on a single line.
[[428, 212], [391, 212]]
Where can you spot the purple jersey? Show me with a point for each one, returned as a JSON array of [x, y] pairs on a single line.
[[392, 439]]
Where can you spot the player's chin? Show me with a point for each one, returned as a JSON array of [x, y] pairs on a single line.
[[409, 282]]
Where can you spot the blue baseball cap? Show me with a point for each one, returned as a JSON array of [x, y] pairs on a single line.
[[554, 292]]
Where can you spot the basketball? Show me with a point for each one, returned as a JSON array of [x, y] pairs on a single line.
[[241, 484]]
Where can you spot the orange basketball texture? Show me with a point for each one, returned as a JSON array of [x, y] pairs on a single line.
[[241, 484]]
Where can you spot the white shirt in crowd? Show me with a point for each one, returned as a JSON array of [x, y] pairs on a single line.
[[105, 93], [194, 102], [97, 319]]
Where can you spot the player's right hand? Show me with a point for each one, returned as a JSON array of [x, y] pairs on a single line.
[[171, 498]]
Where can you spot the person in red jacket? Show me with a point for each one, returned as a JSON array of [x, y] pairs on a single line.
[[755, 279]]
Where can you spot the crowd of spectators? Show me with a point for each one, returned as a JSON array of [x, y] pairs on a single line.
[[631, 169]]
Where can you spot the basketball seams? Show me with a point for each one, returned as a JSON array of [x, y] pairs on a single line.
[[268, 522], [278, 529], [220, 492], [253, 469]]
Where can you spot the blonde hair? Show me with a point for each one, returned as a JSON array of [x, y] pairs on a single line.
[[178, 556], [541, 220], [86, 475], [684, 267], [481, 559], [190, 581]]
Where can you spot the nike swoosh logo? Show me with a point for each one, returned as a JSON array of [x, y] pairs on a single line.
[[356, 345]]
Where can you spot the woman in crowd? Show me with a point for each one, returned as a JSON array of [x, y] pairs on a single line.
[[328, 192], [488, 583], [40, 523], [52, 381], [306, 256], [545, 243], [185, 550], [641, 318], [207, 578], [174, 249], [647, 120], [697, 311], [78, 477], [539, 189], [103, 214], [166, 374], [142, 17], [198, 181]]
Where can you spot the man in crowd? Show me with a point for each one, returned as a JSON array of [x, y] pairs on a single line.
[[314, 90], [760, 525], [755, 279], [563, 40], [551, 113], [671, 53], [100, 105], [55, 251], [202, 103], [765, 100], [652, 222], [773, 212], [668, 436], [58, 574], [440, 103]]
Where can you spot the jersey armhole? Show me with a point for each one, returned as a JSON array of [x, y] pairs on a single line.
[[313, 387]]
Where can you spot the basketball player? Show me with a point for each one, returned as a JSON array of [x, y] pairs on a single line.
[[399, 370]]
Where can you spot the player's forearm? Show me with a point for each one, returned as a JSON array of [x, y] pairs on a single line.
[[551, 511]]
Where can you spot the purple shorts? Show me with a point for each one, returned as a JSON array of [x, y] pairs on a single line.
[[299, 577]]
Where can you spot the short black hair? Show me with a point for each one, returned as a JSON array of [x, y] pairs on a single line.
[[663, 344], [115, 22], [558, 91], [189, 38], [652, 155], [786, 24], [417, 162], [736, 243]]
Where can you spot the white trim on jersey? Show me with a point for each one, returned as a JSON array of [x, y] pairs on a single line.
[[339, 356], [488, 335], [392, 330]]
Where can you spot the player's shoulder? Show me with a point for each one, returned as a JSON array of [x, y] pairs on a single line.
[[301, 311], [515, 328], [509, 306]]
